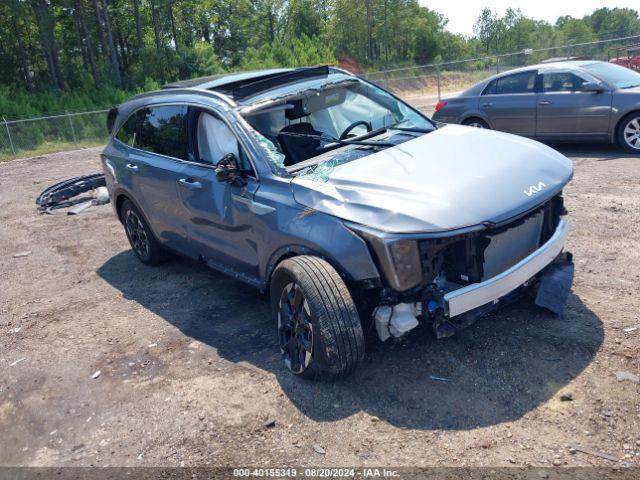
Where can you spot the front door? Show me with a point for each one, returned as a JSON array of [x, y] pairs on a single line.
[[220, 216], [564, 110]]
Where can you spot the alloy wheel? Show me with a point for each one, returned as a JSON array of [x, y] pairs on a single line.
[[294, 329], [631, 133], [137, 234]]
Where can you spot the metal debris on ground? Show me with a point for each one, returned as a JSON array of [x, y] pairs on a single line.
[[595, 453], [628, 376], [17, 362], [22, 254], [68, 194], [96, 374]]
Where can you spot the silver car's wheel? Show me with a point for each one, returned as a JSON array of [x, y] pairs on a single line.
[[475, 122], [631, 133]]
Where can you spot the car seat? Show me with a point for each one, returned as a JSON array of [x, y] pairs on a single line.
[[299, 148]]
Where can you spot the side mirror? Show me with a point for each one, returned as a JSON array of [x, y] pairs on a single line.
[[592, 87], [227, 169]]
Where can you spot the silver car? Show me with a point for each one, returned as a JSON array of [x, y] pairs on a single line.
[[560, 101]]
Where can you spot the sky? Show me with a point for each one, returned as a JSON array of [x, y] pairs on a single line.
[[463, 14]]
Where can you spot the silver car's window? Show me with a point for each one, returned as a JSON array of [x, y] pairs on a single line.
[[524, 82], [163, 130], [561, 82]]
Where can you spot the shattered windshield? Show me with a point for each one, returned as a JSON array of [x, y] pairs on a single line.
[[332, 122]]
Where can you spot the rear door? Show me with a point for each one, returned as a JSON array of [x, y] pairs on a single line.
[[509, 103], [564, 110], [220, 216], [156, 163]]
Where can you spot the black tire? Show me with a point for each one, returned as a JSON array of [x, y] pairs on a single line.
[[627, 135], [141, 238], [320, 334], [476, 122]]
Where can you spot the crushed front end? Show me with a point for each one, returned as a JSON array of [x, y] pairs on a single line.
[[448, 279]]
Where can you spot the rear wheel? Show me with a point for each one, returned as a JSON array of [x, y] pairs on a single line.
[[476, 122], [629, 133], [319, 330], [141, 238]]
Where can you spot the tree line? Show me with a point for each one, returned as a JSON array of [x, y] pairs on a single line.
[[96, 51]]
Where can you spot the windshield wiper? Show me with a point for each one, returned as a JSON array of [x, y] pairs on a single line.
[[333, 142], [411, 129]]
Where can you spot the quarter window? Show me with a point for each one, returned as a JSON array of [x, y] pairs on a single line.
[[163, 130], [129, 131], [561, 82]]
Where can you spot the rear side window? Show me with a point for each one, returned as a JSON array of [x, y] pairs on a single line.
[[561, 82], [163, 130], [524, 82]]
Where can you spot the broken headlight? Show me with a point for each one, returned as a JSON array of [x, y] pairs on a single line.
[[399, 260]]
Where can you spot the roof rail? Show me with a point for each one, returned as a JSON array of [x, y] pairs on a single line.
[[190, 90]]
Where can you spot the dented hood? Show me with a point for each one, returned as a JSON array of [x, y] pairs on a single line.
[[451, 178]]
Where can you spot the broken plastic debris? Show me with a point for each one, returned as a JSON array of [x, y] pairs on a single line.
[[628, 376], [22, 254], [96, 374], [629, 330], [151, 345], [17, 362], [555, 286]]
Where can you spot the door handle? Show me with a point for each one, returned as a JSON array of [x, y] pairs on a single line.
[[488, 104], [132, 167], [190, 183], [545, 102]]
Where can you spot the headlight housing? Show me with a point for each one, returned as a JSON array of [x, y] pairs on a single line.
[[399, 260]]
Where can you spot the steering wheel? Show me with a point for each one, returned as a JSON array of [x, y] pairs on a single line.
[[347, 130]]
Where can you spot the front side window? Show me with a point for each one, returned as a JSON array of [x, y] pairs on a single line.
[[524, 82], [215, 140], [561, 82], [163, 130]]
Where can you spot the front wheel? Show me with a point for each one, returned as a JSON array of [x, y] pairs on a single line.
[[319, 330], [629, 133]]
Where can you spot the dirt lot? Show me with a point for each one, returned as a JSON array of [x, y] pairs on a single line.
[[190, 371]]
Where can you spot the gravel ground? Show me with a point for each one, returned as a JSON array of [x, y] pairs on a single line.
[[105, 361]]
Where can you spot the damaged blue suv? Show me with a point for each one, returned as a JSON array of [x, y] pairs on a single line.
[[351, 208]]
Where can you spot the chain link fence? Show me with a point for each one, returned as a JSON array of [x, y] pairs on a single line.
[[54, 133], [422, 86], [425, 85]]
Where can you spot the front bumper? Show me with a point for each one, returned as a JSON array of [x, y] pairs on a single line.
[[476, 295]]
